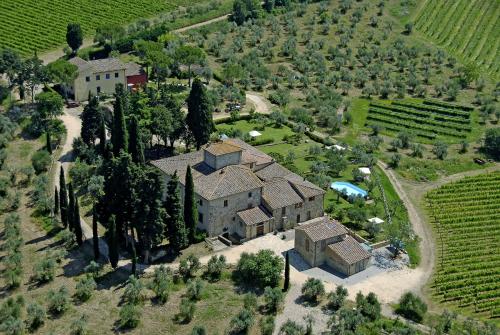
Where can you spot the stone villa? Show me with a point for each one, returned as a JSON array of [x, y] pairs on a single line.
[[242, 192], [326, 241]]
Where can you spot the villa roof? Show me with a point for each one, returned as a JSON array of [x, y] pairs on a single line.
[[222, 148], [322, 228], [253, 216], [98, 65], [250, 154], [278, 193], [133, 69], [349, 250]]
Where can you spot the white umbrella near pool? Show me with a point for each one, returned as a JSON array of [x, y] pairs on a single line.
[[254, 133]]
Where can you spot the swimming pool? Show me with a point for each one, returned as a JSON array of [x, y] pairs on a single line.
[[349, 189]]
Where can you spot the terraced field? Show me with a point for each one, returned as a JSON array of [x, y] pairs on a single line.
[[428, 120], [469, 29], [37, 25], [467, 221]]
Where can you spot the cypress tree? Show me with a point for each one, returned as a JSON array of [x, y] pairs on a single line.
[[119, 137], [91, 121], [77, 224], [134, 255], [63, 198], [102, 137], [95, 236], [48, 145], [56, 201], [113, 243], [286, 283], [177, 234], [71, 208], [190, 207], [135, 146], [199, 118]]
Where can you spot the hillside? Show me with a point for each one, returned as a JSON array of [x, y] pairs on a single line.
[[469, 29]]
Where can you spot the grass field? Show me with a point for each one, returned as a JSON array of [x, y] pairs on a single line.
[[467, 222], [469, 29], [29, 25]]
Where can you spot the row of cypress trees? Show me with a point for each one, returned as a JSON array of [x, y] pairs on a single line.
[[67, 204]]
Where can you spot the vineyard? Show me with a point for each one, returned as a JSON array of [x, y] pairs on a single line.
[[429, 119], [36, 25], [467, 221], [470, 29]]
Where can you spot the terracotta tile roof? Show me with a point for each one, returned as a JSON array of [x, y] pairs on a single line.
[[349, 250], [222, 148], [253, 216], [322, 228], [180, 163], [279, 193], [250, 154], [81, 63], [232, 179], [98, 65], [133, 69]]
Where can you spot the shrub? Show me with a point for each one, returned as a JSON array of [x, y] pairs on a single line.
[[411, 307], [313, 290], [492, 142], [12, 326], [189, 266], [194, 289], [267, 325], [215, 267], [261, 269], [93, 269], [35, 316], [44, 270], [160, 284], [67, 238], [440, 149], [242, 322], [198, 330], [40, 161], [368, 306], [130, 316], [273, 298], [11, 308], [134, 291], [85, 287], [291, 328], [250, 301], [337, 299], [186, 311], [79, 326], [58, 301]]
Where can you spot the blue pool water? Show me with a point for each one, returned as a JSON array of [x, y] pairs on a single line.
[[350, 189]]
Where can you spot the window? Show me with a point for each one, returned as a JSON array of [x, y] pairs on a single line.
[[117, 74], [283, 211], [309, 215], [200, 202], [249, 194], [307, 245], [200, 217], [298, 218], [225, 203], [98, 89], [323, 245], [299, 205], [87, 79], [108, 76], [311, 198], [97, 77]]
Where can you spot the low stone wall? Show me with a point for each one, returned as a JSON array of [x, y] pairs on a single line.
[[380, 244]]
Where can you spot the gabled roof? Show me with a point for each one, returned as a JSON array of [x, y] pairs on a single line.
[[349, 250], [253, 216], [222, 148], [278, 193], [98, 65], [180, 163], [322, 228], [250, 154]]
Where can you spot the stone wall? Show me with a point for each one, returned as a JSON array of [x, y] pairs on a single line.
[[220, 161], [82, 87]]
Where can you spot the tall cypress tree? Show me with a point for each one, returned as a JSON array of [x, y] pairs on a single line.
[[190, 207], [134, 255], [91, 121], [56, 201], [113, 243], [48, 145], [119, 137], [71, 208], [199, 117], [177, 234], [77, 224], [63, 198], [102, 137], [95, 235], [135, 146], [286, 283]]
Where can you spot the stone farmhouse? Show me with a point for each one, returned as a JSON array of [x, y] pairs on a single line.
[[325, 241], [243, 193], [101, 76]]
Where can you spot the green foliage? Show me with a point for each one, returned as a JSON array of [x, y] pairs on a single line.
[[215, 266], [176, 228], [411, 307], [250, 301], [189, 266], [194, 289], [337, 298], [160, 284], [85, 288], [74, 36], [368, 306], [119, 135], [267, 325], [35, 316], [44, 270], [291, 328], [130, 316], [186, 310], [261, 269], [79, 326], [440, 149], [190, 205], [93, 269], [245, 9], [198, 330], [134, 293], [313, 290], [58, 301], [274, 298], [41, 161], [242, 322], [11, 309], [199, 117], [91, 121], [492, 142]]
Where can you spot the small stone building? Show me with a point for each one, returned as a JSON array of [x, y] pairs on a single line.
[[325, 241]]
